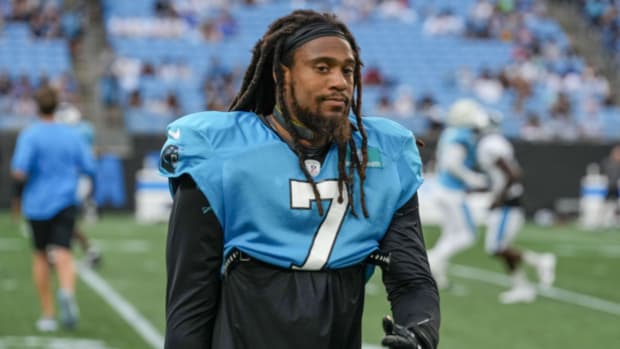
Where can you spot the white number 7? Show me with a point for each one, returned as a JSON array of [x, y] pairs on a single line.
[[301, 198]]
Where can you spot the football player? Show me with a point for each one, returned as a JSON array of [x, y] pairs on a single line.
[[284, 204], [70, 115], [506, 217], [456, 160]]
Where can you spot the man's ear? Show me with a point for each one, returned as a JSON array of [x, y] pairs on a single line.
[[286, 72]]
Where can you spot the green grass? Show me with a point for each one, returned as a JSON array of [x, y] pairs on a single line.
[[472, 317]]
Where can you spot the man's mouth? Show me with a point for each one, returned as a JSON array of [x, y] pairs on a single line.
[[339, 101]]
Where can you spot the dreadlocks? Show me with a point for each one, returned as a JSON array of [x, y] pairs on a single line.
[[259, 93]]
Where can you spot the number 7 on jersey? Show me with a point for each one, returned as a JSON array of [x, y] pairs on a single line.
[[325, 236]]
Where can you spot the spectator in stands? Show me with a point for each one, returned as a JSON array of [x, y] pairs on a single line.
[[172, 105], [404, 104], [533, 130], [487, 87], [22, 10], [227, 24], [373, 76], [210, 32], [398, 9], [46, 163], [135, 100], [479, 19], [590, 122], [284, 147], [443, 23], [384, 107], [594, 11]]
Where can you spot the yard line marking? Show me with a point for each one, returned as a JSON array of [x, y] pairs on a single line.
[[51, 342], [135, 320], [558, 294]]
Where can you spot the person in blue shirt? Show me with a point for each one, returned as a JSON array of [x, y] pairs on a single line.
[[47, 162], [456, 177], [284, 204]]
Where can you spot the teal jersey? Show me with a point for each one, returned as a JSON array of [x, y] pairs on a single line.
[[467, 138], [265, 205]]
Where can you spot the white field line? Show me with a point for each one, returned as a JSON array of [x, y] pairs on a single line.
[[51, 342], [127, 311], [558, 294]]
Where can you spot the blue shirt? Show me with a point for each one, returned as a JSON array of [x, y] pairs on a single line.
[[263, 201], [52, 156], [464, 137]]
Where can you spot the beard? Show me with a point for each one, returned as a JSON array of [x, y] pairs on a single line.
[[337, 129]]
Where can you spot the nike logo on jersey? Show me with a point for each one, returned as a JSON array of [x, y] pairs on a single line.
[[175, 134], [206, 209]]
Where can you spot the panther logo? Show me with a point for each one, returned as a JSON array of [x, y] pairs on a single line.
[[170, 158]]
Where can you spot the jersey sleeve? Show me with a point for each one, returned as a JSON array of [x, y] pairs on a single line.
[[23, 154], [409, 170], [493, 148], [187, 150]]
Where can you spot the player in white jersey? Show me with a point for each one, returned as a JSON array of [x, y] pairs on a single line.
[[456, 160], [506, 217]]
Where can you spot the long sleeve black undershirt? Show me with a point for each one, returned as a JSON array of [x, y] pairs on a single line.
[[411, 289], [194, 257]]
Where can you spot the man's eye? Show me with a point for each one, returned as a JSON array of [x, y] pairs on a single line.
[[348, 71], [322, 69]]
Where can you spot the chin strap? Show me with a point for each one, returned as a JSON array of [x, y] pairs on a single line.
[[303, 131]]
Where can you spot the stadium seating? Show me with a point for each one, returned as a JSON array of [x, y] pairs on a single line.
[[401, 50]]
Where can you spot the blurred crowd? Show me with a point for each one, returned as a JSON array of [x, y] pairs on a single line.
[[45, 19], [546, 87], [17, 96], [604, 17]]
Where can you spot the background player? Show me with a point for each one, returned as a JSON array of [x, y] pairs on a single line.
[[506, 217], [456, 159], [70, 115], [46, 165]]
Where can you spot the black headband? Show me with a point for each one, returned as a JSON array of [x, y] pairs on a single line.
[[311, 32]]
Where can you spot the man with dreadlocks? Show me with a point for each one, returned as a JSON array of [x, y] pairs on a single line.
[[284, 205]]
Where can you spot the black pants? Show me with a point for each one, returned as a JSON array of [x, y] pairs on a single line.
[[264, 307]]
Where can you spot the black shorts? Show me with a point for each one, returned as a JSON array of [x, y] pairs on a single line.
[[57, 231]]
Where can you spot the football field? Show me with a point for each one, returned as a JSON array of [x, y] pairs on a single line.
[[122, 303]]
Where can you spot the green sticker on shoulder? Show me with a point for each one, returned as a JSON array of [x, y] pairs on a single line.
[[374, 157]]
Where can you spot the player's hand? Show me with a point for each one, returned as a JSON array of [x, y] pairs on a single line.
[[397, 336]]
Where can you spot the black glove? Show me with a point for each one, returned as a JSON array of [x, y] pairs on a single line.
[[397, 336]]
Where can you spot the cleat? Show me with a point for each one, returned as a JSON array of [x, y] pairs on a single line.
[[93, 258], [520, 294], [546, 270], [68, 309], [46, 325]]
